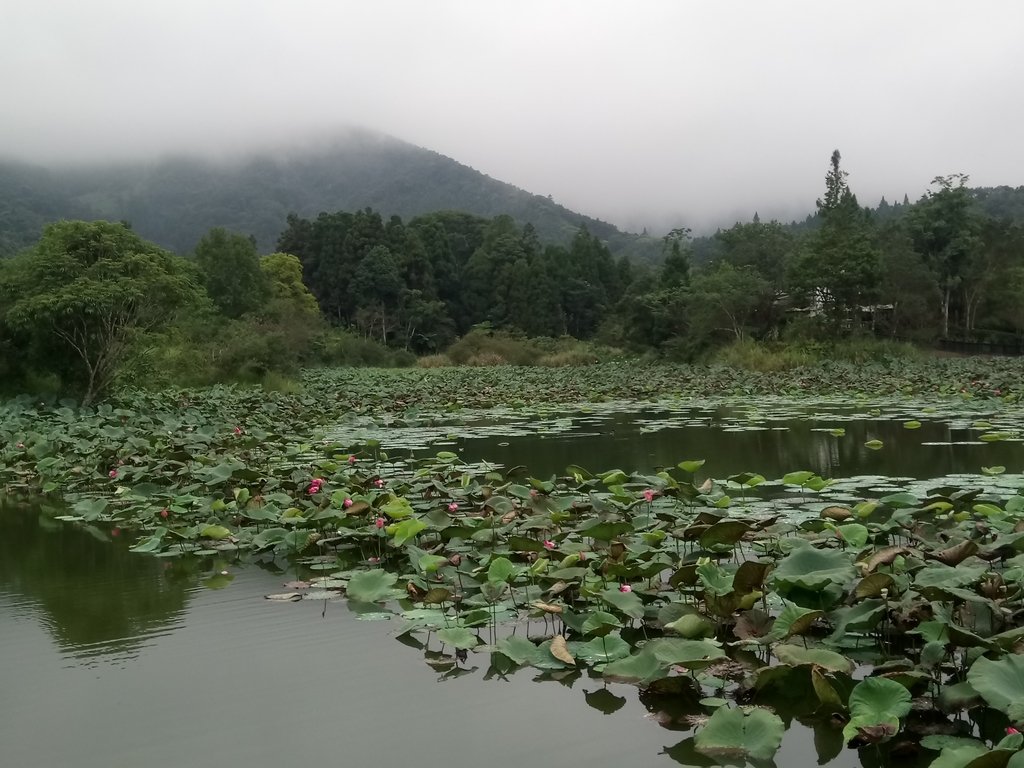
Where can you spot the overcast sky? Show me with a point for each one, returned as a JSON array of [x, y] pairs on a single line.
[[642, 113]]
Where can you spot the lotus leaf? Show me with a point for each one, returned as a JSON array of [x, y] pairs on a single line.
[[876, 702], [755, 733], [795, 655], [371, 586], [813, 569], [1000, 683]]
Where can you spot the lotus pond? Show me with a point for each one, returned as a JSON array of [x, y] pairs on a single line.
[[655, 566]]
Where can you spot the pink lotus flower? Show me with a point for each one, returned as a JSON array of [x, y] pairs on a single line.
[[314, 487], [112, 474], [1011, 731], [351, 459], [380, 522], [20, 446], [373, 560], [625, 588], [238, 430], [347, 503], [115, 532], [453, 507], [549, 544], [649, 495], [379, 483], [164, 513]]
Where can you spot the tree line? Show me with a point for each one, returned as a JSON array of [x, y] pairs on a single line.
[[92, 302]]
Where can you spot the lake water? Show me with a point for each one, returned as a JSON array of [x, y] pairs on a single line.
[[116, 659]]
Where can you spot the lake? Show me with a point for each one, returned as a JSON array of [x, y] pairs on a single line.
[[113, 658]]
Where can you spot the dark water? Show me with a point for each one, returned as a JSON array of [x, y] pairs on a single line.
[[771, 449], [115, 659], [112, 659]]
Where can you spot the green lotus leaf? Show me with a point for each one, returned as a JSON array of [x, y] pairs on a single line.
[[797, 478], [397, 508], [813, 569], [215, 532], [405, 530], [792, 620], [876, 701], [657, 656], [598, 623], [431, 563], [458, 637], [716, 580], [1000, 683], [605, 531], [796, 655], [371, 586], [501, 570], [723, 534], [601, 650], [755, 733], [853, 534], [627, 602], [518, 649], [864, 616], [692, 627]]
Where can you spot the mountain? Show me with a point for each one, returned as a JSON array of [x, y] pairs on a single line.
[[175, 200]]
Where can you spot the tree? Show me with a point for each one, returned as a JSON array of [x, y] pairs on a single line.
[[676, 248], [945, 226], [376, 290], [726, 299], [94, 289], [231, 272], [838, 269], [287, 294]]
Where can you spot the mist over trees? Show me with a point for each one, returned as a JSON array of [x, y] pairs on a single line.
[[93, 304]]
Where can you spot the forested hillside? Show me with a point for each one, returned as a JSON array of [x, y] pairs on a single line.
[[173, 202]]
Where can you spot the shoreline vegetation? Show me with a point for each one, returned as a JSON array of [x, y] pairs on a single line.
[[94, 307]]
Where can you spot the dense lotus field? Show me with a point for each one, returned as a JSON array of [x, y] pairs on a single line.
[[889, 621]]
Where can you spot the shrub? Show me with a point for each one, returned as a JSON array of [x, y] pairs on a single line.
[[753, 356], [434, 361], [485, 359], [484, 345], [336, 346]]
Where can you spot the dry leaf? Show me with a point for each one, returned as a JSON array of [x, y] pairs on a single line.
[[558, 587], [560, 651], [836, 513], [883, 557], [956, 554]]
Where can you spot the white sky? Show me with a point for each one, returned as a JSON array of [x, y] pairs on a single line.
[[657, 113]]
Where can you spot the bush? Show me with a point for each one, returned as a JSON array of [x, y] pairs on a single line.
[[759, 356], [275, 382], [482, 346], [434, 361], [486, 359], [752, 356], [486, 347], [336, 346]]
